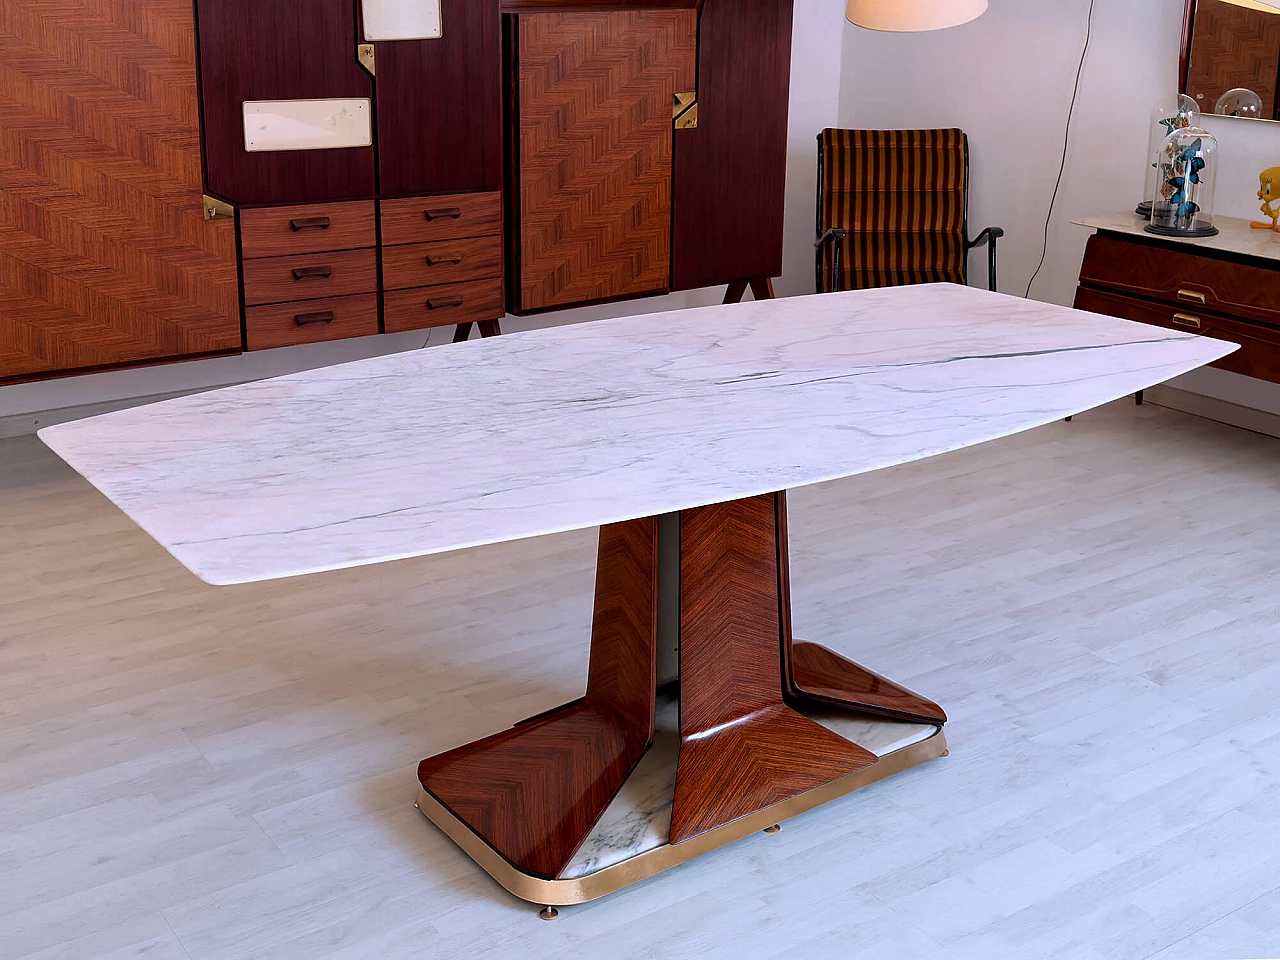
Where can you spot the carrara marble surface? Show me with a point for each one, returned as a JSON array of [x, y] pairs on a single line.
[[569, 427], [1234, 234]]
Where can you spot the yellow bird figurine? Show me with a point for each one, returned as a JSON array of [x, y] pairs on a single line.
[[1269, 194]]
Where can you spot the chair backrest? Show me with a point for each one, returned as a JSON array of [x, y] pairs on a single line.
[[902, 195]]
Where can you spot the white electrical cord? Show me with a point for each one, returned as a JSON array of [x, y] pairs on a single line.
[[1066, 144]]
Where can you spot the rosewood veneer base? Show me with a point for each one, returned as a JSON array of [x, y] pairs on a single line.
[[530, 796]]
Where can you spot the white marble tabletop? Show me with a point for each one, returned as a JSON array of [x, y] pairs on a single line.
[[570, 427], [1234, 234]]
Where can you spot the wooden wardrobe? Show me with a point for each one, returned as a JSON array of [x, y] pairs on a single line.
[[189, 178]]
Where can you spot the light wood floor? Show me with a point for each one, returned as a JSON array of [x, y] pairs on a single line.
[[190, 772]]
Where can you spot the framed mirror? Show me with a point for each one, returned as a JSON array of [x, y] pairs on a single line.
[[1231, 57]]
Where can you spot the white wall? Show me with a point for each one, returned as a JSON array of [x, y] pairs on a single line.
[[1006, 78], [815, 91]]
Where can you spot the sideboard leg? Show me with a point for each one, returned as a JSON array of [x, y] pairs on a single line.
[[736, 291], [490, 328], [463, 332], [1139, 397]]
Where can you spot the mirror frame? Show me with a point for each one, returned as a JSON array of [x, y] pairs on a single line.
[[1184, 57]]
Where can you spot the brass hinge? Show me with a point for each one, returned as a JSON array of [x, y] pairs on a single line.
[[218, 209], [364, 53], [685, 112]]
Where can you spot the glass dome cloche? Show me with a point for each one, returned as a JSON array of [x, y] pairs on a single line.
[[1186, 179], [1170, 114]]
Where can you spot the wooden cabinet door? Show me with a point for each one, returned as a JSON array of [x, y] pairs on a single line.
[[279, 50], [439, 105], [594, 96], [731, 170], [105, 256]]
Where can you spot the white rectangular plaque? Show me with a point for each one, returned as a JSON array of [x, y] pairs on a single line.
[[402, 19], [271, 125]]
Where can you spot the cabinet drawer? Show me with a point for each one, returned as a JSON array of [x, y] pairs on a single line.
[[310, 276], [281, 231], [423, 219], [440, 306], [449, 261], [310, 321], [1259, 353], [1249, 291]]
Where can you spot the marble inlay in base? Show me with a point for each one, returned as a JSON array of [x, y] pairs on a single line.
[[639, 819]]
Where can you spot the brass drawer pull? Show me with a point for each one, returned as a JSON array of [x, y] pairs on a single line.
[[1186, 320], [306, 319], [312, 273], [1193, 296], [439, 258], [310, 223], [443, 213], [443, 302]]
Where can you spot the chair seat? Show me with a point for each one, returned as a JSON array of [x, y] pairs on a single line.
[[898, 259]]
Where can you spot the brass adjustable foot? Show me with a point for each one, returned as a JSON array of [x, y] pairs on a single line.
[[776, 828], [548, 913]]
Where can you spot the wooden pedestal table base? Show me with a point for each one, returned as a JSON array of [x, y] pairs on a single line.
[[523, 802]]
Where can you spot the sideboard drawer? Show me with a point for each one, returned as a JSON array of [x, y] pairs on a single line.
[[424, 219], [449, 261], [443, 305], [311, 321], [310, 276], [281, 231], [1185, 278], [1259, 355]]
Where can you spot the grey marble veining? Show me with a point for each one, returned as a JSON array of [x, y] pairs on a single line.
[[639, 818], [570, 427]]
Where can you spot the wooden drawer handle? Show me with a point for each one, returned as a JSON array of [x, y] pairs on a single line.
[[443, 213], [443, 302], [306, 319], [312, 273], [1192, 296], [1186, 320], [310, 223], [439, 258]]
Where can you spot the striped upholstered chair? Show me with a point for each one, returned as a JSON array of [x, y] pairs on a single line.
[[893, 209]]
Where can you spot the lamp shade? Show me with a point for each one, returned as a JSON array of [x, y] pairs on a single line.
[[902, 16]]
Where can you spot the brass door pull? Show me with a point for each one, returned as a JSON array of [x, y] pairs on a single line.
[[443, 213], [442, 302], [1193, 296], [306, 319], [1186, 320], [310, 223], [312, 273], [439, 258]]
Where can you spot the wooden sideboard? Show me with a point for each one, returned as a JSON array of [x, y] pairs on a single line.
[[538, 154], [1226, 287]]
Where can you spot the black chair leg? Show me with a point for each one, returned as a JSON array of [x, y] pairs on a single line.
[[1139, 397]]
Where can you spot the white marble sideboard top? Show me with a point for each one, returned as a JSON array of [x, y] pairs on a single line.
[[570, 427], [1234, 234]]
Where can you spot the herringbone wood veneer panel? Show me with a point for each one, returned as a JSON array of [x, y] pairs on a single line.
[[741, 748], [105, 257], [534, 792], [595, 93], [1232, 47]]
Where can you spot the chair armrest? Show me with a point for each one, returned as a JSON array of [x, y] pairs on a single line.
[[835, 233], [991, 234]]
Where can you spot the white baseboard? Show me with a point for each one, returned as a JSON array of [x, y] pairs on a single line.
[[1211, 408], [21, 424]]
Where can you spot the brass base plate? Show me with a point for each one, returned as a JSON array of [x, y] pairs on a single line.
[[561, 893]]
